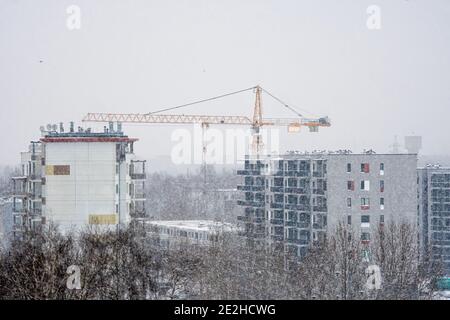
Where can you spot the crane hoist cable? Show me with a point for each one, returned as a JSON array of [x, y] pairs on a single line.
[[201, 101], [229, 94]]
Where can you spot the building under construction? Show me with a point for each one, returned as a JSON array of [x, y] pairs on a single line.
[[434, 213], [294, 200], [78, 178]]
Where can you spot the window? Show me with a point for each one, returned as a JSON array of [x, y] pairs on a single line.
[[350, 185], [349, 167], [365, 236], [365, 185], [349, 219], [365, 219], [381, 185], [381, 168], [349, 202], [381, 218], [381, 203], [365, 167], [117, 188], [365, 203]]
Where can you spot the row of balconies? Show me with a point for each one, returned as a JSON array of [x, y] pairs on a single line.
[[249, 203], [250, 188], [248, 173]]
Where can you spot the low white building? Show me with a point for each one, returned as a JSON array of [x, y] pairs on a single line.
[[201, 232]]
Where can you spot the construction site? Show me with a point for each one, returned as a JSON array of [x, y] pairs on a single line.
[[212, 150], [78, 177]]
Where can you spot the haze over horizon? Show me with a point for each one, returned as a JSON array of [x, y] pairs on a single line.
[[141, 56]]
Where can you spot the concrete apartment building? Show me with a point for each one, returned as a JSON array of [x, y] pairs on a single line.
[[78, 178], [434, 213], [292, 200]]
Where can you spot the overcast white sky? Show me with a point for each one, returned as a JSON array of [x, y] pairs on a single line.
[[139, 56]]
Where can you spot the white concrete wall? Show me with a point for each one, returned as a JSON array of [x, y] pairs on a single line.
[[89, 189]]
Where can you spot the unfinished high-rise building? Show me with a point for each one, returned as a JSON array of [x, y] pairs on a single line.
[[293, 200], [434, 213], [78, 178]]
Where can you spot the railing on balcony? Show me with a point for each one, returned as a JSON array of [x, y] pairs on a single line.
[[248, 172], [250, 188], [249, 203], [319, 191], [277, 189], [277, 221], [277, 237], [295, 190], [276, 205], [137, 176], [320, 208]]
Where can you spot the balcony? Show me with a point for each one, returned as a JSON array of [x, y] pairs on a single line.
[[299, 207], [248, 172], [290, 223], [258, 220], [277, 189], [36, 211], [319, 191], [20, 194], [248, 203], [19, 211], [250, 188], [277, 237], [275, 205], [297, 241], [278, 222], [320, 209], [301, 173], [318, 174], [138, 176], [243, 188], [295, 190]]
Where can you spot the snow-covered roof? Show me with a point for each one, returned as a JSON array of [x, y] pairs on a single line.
[[194, 225]]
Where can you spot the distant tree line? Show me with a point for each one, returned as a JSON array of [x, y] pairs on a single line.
[[130, 264], [191, 196], [6, 186]]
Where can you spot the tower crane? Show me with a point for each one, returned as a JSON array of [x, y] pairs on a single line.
[[256, 122]]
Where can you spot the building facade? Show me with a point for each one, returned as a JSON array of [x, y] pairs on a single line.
[[293, 200], [434, 213], [79, 178]]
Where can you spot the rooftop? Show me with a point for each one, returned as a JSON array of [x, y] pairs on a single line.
[[322, 153], [110, 133]]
